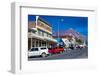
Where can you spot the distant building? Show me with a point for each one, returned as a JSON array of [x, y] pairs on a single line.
[[69, 37], [40, 34], [66, 40]]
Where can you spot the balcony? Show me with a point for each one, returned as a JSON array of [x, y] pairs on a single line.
[[32, 35]]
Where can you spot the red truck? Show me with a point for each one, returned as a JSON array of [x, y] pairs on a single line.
[[56, 50]]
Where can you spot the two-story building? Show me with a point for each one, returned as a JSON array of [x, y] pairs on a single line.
[[40, 34]]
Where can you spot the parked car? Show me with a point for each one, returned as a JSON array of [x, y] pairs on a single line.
[[51, 50], [56, 50], [71, 46], [38, 51], [81, 46], [77, 46]]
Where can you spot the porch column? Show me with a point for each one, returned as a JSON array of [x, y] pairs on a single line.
[[34, 43], [31, 40], [38, 43]]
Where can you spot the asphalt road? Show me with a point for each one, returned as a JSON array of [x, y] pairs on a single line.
[[68, 54]]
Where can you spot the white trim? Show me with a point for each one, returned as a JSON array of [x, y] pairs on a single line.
[[15, 52]]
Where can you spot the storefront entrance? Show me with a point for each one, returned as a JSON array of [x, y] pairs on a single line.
[[32, 42]]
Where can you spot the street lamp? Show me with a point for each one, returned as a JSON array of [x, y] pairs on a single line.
[[61, 20]]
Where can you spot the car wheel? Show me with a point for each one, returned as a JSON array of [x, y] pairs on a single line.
[[43, 55]]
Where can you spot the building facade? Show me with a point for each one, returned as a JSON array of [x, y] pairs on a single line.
[[40, 34], [66, 41], [71, 37]]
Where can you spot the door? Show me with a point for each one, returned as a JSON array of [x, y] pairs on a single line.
[[35, 51]]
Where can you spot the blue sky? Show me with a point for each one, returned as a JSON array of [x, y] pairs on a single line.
[[80, 24]]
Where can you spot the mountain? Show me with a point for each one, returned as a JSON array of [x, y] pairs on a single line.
[[69, 32]]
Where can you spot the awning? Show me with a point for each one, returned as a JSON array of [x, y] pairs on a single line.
[[50, 39]]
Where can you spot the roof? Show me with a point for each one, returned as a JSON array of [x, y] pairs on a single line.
[[41, 19], [31, 24]]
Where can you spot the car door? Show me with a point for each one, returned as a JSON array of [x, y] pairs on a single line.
[[35, 51]]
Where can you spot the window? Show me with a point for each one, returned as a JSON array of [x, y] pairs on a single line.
[[42, 33], [30, 30], [36, 43], [50, 48], [45, 34], [44, 44], [34, 49], [39, 43], [43, 48], [39, 32], [50, 36]]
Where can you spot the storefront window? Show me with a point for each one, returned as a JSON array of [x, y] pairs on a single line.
[[39, 43], [36, 43], [45, 34], [33, 44]]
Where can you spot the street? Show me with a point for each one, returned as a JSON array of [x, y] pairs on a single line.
[[68, 54]]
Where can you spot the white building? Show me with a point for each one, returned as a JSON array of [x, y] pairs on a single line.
[[40, 34]]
